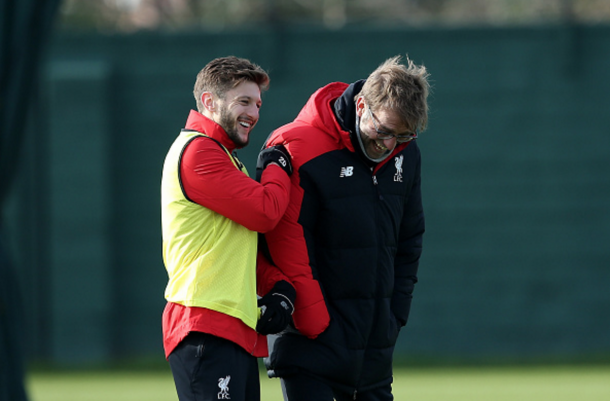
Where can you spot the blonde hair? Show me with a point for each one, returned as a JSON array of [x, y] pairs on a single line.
[[402, 88]]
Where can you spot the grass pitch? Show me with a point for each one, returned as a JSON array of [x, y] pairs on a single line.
[[555, 383]]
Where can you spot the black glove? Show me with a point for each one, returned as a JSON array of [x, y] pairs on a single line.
[[277, 307], [277, 154]]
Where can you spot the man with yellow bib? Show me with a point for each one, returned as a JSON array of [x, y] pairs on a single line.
[[212, 212]]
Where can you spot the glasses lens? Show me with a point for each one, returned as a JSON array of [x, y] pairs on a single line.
[[403, 139], [384, 135]]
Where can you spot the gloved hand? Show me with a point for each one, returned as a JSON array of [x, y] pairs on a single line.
[[277, 154], [277, 307]]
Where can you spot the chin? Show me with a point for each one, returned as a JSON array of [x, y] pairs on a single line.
[[377, 155], [244, 141], [240, 141]]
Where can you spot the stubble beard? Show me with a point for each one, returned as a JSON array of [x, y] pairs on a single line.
[[229, 123], [366, 142]]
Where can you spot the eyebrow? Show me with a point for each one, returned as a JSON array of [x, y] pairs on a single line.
[[246, 97], [385, 129], [389, 130], [399, 134]]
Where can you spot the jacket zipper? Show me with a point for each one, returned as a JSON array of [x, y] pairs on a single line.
[[375, 184], [380, 197]]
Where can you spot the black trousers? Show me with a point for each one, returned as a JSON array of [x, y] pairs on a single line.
[[305, 388], [207, 368]]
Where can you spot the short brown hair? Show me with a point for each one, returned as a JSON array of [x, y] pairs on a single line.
[[225, 73], [401, 88]]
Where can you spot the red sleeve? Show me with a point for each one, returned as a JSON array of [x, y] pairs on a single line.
[[287, 243], [210, 179], [267, 275]]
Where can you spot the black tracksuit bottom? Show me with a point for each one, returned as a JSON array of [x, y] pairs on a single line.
[[206, 368]]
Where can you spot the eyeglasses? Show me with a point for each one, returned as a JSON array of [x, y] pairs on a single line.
[[400, 138]]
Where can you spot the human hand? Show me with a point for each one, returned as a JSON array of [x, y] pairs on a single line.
[[277, 307], [275, 154]]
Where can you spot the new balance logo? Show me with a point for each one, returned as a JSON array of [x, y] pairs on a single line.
[[347, 171], [223, 383]]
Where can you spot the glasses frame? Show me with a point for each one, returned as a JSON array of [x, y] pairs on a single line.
[[386, 135]]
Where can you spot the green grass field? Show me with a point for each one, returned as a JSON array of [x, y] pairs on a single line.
[[555, 383]]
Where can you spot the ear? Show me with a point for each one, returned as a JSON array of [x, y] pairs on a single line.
[[360, 106], [207, 99]]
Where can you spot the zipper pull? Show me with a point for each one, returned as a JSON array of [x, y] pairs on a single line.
[[377, 188], [355, 392]]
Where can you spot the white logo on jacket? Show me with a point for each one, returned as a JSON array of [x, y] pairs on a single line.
[[223, 383], [398, 163], [347, 171]]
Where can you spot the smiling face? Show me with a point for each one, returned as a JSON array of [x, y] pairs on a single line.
[[388, 121], [238, 111]]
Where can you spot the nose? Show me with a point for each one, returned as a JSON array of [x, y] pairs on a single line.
[[390, 143], [254, 112]]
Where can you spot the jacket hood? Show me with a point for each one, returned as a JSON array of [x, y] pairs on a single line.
[[345, 110], [345, 107], [319, 112]]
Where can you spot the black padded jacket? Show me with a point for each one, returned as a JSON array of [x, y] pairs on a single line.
[[350, 243]]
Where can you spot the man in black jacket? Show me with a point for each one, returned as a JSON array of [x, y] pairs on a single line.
[[351, 238]]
